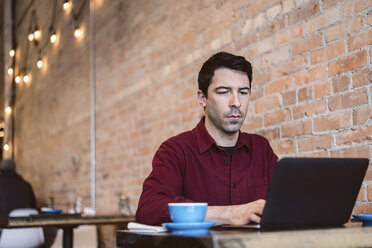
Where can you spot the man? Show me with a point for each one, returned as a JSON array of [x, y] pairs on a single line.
[[14, 191], [215, 162]]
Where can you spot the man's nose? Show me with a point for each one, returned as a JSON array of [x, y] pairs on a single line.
[[235, 101]]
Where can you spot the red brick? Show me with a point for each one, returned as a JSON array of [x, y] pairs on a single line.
[[284, 147], [277, 56], [261, 47], [369, 192], [330, 3], [266, 104], [294, 129], [277, 117], [324, 20], [359, 135], [340, 84], [315, 143], [253, 123], [256, 7], [316, 154], [289, 97], [305, 94], [310, 75], [256, 93], [270, 134], [268, 29], [344, 28], [369, 19], [362, 114], [322, 89], [306, 44], [263, 77], [279, 85], [303, 12], [349, 63], [360, 196], [327, 53], [288, 35], [291, 66], [355, 6], [332, 122], [308, 109], [363, 208], [352, 152], [348, 100], [362, 78], [360, 40]]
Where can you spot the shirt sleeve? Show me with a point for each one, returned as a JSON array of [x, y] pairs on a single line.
[[162, 186]]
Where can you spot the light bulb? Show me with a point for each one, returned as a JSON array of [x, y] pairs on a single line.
[[37, 34], [17, 79], [2, 134], [77, 32], [10, 71], [31, 37], [53, 38], [8, 110], [39, 63], [66, 5], [6, 147], [26, 78], [11, 53]]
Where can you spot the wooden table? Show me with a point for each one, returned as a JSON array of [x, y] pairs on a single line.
[[67, 222], [350, 236]]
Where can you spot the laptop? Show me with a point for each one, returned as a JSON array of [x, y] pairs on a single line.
[[313, 192]]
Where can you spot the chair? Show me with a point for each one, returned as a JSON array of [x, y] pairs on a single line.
[[22, 237]]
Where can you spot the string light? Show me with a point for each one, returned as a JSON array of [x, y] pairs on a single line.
[[37, 34], [11, 53], [6, 147], [77, 32], [53, 38], [31, 37], [39, 63], [8, 110], [66, 5], [2, 134], [26, 78], [10, 71], [17, 79]]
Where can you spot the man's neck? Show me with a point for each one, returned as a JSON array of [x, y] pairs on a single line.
[[222, 138]]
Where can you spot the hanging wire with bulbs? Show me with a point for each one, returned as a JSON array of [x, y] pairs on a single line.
[[34, 37]]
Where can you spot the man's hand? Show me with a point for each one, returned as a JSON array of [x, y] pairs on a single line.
[[236, 214]]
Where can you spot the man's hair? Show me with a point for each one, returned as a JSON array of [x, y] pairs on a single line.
[[222, 60]]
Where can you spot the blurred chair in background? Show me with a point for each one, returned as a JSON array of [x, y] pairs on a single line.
[[22, 237]]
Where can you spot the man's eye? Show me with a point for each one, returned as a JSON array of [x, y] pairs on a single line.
[[244, 92], [222, 92]]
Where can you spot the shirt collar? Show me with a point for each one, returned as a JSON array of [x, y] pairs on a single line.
[[205, 140]]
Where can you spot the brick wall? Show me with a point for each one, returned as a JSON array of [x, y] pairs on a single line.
[[311, 87]]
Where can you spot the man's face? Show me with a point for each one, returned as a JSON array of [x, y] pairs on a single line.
[[227, 103]]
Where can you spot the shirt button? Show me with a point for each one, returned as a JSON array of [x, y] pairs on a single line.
[[234, 186], [225, 162]]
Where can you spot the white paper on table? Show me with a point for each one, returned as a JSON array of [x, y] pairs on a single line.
[[137, 227]]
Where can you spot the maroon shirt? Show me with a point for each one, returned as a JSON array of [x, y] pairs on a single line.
[[190, 167]]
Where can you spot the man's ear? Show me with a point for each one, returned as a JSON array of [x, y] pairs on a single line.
[[202, 99]]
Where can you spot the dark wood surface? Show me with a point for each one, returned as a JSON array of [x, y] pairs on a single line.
[[351, 236], [61, 220]]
